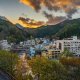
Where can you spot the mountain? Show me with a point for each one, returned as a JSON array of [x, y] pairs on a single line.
[[16, 33], [71, 27], [11, 32], [44, 30], [64, 29]]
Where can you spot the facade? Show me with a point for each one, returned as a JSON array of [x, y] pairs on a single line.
[[52, 53], [72, 44], [29, 42], [4, 45], [50, 49]]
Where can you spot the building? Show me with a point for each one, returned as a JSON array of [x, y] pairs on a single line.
[[4, 45], [29, 42], [32, 51], [72, 44], [52, 53]]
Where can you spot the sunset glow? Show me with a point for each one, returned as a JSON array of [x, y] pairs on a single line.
[[41, 12]]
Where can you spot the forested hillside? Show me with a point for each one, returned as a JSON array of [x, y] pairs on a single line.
[[64, 29], [10, 32]]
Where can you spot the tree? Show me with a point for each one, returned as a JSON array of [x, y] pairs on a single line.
[[72, 65], [8, 61], [22, 70], [66, 53], [45, 69]]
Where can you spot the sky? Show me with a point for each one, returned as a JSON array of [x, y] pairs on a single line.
[[40, 10], [13, 9]]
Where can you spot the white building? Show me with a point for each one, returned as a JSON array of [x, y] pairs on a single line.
[[29, 42], [4, 45], [72, 44]]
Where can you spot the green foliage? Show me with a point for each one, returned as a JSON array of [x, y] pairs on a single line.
[[67, 28], [64, 29], [70, 28], [10, 32], [45, 69], [66, 53], [72, 65], [66, 68], [8, 61], [46, 30]]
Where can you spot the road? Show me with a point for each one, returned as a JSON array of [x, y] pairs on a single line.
[[4, 76]]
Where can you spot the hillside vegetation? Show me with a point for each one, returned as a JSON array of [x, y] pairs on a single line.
[[10, 32], [64, 29], [16, 33]]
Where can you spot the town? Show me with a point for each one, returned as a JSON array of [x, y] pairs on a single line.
[[43, 47]]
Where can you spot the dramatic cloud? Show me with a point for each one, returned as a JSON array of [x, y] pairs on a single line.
[[30, 23], [48, 16], [53, 20], [35, 4], [69, 6]]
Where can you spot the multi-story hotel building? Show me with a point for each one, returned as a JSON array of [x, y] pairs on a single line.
[[72, 44]]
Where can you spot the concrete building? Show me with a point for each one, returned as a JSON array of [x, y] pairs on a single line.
[[29, 42], [4, 45], [52, 53], [72, 44]]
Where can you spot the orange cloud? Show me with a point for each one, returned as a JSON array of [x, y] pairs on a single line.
[[68, 6], [30, 23], [26, 2], [65, 5], [35, 4]]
